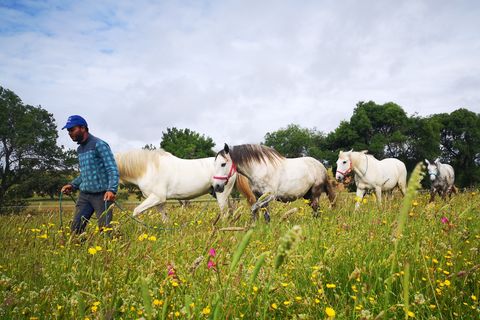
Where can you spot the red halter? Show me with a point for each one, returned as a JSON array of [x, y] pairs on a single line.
[[233, 170], [346, 172]]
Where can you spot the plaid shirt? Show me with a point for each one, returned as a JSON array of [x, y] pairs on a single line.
[[98, 169]]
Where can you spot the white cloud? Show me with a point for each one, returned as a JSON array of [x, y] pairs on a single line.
[[235, 70]]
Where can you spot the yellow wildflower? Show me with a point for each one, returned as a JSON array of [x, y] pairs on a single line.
[[411, 314], [473, 297], [142, 237], [331, 286], [157, 302], [206, 311], [274, 306], [330, 312], [152, 238], [92, 251]]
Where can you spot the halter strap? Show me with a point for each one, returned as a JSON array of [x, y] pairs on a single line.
[[233, 170], [346, 172]]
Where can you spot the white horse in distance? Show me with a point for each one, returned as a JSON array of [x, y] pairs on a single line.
[[442, 177], [161, 176], [371, 174]]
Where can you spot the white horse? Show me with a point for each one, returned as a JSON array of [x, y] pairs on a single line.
[[442, 177], [161, 176], [371, 174], [271, 173]]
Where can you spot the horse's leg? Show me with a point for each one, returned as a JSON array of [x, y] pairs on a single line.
[[359, 196], [432, 194], [330, 191], [152, 200], [222, 200], [378, 194], [262, 204], [162, 210]]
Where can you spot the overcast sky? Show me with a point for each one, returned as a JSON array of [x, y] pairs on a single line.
[[235, 70]]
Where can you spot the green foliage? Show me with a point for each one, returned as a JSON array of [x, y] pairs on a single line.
[[187, 144], [460, 144], [28, 137], [295, 141]]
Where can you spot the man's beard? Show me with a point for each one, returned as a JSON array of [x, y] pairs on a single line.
[[78, 138]]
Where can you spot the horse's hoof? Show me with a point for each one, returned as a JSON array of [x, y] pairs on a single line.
[[267, 217]]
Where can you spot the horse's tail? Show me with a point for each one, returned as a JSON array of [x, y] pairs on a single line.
[[330, 190], [243, 186]]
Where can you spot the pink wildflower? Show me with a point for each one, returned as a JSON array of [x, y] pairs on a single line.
[[211, 265], [212, 252], [171, 270], [445, 220]]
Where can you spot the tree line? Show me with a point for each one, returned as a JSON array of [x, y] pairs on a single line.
[[31, 162]]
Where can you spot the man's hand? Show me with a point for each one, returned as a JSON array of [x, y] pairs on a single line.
[[109, 196], [67, 189]]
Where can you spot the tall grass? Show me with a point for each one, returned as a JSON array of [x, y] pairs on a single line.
[[407, 258]]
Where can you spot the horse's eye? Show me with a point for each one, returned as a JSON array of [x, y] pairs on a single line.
[[224, 164], [344, 161]]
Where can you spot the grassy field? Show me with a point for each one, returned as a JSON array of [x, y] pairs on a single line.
[[405, 259]]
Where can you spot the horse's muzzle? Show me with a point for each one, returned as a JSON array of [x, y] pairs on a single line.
[[339, 177], [219, 188]]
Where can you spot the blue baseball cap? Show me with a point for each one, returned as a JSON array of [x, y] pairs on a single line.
[[75, 120]]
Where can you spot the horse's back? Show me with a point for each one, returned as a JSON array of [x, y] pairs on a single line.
[[448, 173], [395, 169], [304, 167]]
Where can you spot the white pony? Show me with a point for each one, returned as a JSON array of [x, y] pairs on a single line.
[[161, 176], [371, 174], [442, 177], [271, 173]]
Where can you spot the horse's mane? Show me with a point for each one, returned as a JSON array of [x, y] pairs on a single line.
[[133, 164], [248, 153]]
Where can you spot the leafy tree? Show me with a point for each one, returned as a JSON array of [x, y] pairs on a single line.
[[187, 144], [460, 144], [27, 142], [380, 129], [294, 141]]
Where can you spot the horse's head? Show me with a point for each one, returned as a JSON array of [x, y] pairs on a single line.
[[224, 169], [432, 169], [344, 165]]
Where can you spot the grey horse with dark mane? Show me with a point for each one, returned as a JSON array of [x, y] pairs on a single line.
[[442, 177], [269, 172]]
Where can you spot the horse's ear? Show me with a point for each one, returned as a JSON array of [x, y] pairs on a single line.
[[437, 160], [226, 148], [428, 162]]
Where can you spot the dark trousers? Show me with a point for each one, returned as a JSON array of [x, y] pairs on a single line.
[[87, 203]]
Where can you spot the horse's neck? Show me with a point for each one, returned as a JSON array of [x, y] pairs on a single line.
[[360, 163]]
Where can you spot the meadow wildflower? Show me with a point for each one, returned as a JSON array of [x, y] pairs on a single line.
[[152, 238], [330, 312], [212, 252], [142, 237], [473, 297], [92, 251], [444, 220], [206, 311], [331, 286], [274, 306], [157, 302], [411, 314], [211, 265]]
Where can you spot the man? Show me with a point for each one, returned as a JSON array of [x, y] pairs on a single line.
[[98, 180]]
